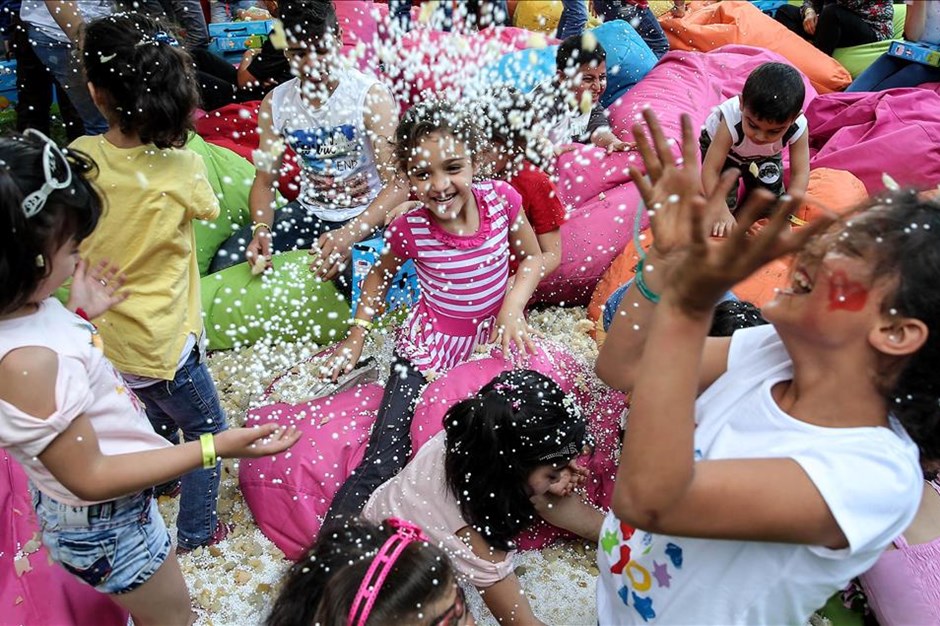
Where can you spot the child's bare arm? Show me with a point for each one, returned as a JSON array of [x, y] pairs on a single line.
[[550, 244], [715, 158], [799, 166], [267, 159], [510, 321]]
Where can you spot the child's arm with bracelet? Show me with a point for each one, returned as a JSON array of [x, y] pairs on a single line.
[[618, 361], [511, 326], [799, 166], [375, 286], [74, 457], [268, 159]]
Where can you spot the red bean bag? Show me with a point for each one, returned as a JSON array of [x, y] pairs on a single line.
[[707, 26], [288, 494], [895, 132], [32, 589]]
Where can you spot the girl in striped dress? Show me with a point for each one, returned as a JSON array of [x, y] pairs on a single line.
[[461, 239]]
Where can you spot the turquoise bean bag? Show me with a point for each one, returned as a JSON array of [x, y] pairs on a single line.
[[856, 59], [523, 69], [629, 59]]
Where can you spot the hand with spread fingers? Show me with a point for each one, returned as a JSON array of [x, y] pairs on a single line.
[[512, 329], [95, 290], [332, 252]]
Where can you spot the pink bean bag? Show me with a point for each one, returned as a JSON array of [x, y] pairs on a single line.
[[288, 494], [33, 590], [895, 132]]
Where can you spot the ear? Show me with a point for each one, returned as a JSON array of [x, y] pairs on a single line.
[[899, 336]]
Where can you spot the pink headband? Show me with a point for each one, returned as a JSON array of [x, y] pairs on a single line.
[[405, 533]]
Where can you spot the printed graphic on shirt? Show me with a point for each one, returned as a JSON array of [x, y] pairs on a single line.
[[331, 158], [642, 563]]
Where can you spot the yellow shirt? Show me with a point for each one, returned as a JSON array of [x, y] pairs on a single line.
[[151, 198]]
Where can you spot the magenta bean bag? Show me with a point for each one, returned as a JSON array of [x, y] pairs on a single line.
[[895, 132], [42, 592], [288, 494]]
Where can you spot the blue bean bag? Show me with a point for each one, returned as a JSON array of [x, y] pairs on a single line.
[[629, 59], [523, 69]]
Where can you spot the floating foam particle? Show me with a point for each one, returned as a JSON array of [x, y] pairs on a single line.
[[142, 180], [889, 182], [588, 41], [753, 169], [587, 102], [278, 37]]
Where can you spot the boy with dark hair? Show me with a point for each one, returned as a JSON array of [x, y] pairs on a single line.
[[750, 131], [571, 99], [341, 124]]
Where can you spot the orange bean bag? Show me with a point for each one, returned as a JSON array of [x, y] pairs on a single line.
[[708, 26], [835, 190]]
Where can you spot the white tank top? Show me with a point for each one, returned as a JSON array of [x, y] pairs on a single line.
[[330, 141]]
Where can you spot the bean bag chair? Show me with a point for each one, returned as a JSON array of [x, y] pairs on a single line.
[[856, 59], [523, 69], [235, 127], [833, 190], [895, 132], [34, 591], [288, 494], [707, 27], [542, 16], [286, 303], [629, 59]]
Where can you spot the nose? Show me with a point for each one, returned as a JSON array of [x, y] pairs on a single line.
[[440, 181]]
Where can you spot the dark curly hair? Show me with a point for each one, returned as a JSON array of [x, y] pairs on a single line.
[[519, 421], [321, 587], [146, 80], [27, 244], [427, 118]]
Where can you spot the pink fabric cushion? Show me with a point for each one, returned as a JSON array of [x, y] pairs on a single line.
[[288, 494], [43, 593], [895, 131]]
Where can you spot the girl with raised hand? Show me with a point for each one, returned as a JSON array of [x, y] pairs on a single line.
[[461, 239], [471, 487], [360, 574], [65, 413], [155, 188], [761, 472]]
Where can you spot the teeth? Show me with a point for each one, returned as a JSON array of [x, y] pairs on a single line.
[[802, 282]]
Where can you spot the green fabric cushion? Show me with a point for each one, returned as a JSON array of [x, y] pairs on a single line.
[[230, 176], [856, 59], [839, 615], [286, 303]]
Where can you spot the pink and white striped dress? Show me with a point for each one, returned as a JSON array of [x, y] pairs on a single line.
[[462, 279]]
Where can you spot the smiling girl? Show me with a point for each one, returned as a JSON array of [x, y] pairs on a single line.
[[461, 239]]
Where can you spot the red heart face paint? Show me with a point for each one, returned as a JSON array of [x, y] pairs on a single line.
[[845, 294]]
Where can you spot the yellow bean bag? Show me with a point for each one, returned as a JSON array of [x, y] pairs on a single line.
[[542, 16]]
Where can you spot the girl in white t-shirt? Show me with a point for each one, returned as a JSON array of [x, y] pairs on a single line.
[[66, 415], [761, 472]]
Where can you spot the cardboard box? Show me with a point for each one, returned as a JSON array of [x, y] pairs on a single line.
[[916, 51], [241, 29], [404, 287]]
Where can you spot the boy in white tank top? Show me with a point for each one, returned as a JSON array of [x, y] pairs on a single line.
[[340, 123]]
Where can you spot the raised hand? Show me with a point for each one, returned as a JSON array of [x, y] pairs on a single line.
[[96, 289]]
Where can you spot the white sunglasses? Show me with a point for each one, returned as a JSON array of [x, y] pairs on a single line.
[[34, 202]]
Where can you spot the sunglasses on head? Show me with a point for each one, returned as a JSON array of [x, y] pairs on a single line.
[[454, 615]]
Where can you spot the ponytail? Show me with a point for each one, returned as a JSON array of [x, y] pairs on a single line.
[[144, 78]]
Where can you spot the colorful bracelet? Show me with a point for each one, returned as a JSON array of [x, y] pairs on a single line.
[[364, 324], [258, 226], [209, 459], [641, 285]]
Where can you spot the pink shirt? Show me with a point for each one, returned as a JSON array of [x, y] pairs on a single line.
[[86, 383], [462, 279], [419, 494]]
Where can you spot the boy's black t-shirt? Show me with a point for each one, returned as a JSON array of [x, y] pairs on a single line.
[[270, 65]]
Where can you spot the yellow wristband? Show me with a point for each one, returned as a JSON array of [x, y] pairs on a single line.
[[209, 459], [366, 325], [259, 226]]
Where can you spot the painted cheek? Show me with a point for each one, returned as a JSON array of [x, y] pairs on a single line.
[[845, 294]]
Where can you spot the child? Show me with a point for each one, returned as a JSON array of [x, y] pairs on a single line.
[[65, 414], [460, 240], [749, 132], [362, 573], [832, 24], [470, 486], [761, 472], [340, 123], [155, 189], [570, 102]]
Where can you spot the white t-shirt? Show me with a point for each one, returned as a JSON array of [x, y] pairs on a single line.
[[36, 14], [869, 478], [742, 148], [330, 141]]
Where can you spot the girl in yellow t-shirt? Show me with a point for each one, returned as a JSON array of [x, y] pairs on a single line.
[[143, 83]]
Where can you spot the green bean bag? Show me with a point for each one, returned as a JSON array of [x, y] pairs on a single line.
[[286, 303], [856, 59]]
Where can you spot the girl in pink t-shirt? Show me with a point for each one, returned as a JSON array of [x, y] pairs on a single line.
[[66, 415], [461, 240]]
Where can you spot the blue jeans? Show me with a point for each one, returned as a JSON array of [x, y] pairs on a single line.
[[643, 21], [189, 403], [574, 17], [389, 446], [889, 72], [613, 303], [56, 56]]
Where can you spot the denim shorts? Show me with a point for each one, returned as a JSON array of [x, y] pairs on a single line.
[[114, 546]]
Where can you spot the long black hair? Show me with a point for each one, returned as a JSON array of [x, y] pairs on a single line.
[[147, 81], [321, 587], [519, 421], [28, 243]]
